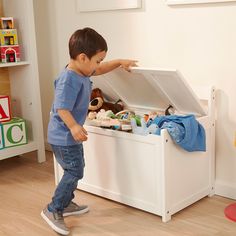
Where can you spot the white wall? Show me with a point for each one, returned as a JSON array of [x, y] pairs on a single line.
[[198, 40]]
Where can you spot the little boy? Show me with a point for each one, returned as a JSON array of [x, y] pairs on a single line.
[[66, 134]]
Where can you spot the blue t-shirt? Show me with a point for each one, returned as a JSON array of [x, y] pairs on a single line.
[[72, 93]]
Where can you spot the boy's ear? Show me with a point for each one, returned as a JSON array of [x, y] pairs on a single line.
[[82, 57]]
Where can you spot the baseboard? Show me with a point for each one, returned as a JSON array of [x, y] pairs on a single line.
[[225, 190]]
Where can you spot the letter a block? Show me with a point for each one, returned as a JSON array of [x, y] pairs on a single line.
[[14, 132], [5, 113]]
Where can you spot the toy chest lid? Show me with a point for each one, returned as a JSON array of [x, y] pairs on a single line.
[[150, 89]]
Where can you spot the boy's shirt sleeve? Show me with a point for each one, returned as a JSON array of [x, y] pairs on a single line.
[[65, 95]]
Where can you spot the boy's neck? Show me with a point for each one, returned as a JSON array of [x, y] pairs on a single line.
[[73, 67]]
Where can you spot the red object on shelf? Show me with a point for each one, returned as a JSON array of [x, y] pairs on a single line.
[[5, 109], [10, 53], [230, 212]]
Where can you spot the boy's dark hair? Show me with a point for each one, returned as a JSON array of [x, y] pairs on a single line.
[[86, 41]]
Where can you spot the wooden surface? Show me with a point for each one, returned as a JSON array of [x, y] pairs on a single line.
[[1, 11], [4, 82], [4, 78], [26, 187]]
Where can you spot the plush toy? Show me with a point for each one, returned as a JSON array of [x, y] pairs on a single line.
[[101, 118], [92, 115], [97, 103], [105, 115]]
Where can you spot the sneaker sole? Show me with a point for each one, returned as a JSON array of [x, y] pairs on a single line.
[[55, 228], [76, 212]]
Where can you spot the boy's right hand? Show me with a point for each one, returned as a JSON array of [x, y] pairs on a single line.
[[79, 133]]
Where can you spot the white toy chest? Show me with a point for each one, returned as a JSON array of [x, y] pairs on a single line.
[[150, 172]]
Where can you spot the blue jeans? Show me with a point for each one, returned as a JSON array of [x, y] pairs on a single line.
[[71, 159]]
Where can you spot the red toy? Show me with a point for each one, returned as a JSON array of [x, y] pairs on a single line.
[[10, 53], [230, 212]]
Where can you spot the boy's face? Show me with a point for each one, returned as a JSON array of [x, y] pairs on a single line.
[[88, 66]]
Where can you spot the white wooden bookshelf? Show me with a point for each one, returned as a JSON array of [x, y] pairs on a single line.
[[24, 80]]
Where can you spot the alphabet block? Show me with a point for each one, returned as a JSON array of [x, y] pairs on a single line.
[[14, 132], [5, 112]]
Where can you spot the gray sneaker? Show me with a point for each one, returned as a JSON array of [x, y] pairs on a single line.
[[55, 221], [74, 209]]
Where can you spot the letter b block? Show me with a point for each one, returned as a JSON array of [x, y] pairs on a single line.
[[14, 133]]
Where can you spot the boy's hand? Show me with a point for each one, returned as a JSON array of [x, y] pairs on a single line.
[[108, 66], [79, 133], [126, 64]]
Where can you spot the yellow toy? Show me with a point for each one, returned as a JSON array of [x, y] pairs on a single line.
[[8, 37]]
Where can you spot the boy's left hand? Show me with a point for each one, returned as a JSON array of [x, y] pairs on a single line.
[[126, 64]]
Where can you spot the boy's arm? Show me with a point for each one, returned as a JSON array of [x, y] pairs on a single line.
[[111, 65], [77, 131]]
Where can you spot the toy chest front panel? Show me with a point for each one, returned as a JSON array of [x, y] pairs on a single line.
[[124, 168], [141, 172]]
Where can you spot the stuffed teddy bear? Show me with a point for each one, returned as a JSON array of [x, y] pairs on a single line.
[[97, 103]]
